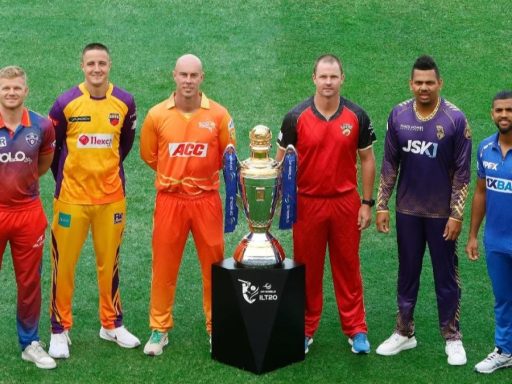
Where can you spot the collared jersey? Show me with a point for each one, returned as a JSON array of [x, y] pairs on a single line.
[[19, 154], [497, 172], [431, 160], [93, 136], [327, 149], [186, 150]]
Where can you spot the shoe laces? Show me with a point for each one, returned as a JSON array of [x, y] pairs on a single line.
[[156, 337]]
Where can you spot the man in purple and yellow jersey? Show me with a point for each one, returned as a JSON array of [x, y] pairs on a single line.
[[94, 129], [428, 148], [330, 133], [27, 143], [183, 139]]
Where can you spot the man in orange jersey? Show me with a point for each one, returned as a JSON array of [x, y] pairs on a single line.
[[94, 129], [183, 139]]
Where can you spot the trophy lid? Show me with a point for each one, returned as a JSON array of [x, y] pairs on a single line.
[[260, 137]]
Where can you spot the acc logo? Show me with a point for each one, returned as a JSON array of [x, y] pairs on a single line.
[[439, 132], [114, 118], [489, 165], [346, 129], [19, 156], [499, 185], [3, 142], [31, 139], [188, 149], [95, 140], [421, 147]]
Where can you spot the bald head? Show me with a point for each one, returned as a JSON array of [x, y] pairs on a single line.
[[188, 76], [189, 61]]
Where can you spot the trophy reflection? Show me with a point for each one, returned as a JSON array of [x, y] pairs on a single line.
[[260, 184]]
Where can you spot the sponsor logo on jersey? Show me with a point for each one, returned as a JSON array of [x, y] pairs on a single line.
[[346, 129], [114, 118], [425, 148], [64, 220], [78, 119], [490, 165], [95, 140], [118, 217], [414, 128], [3, 142], [499, 185], [188, 149], [439, 132], [32, 139], [18, 157], [209, 125], [252, 292]]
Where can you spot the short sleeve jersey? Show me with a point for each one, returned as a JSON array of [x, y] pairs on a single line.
[[186, 151], [496, 170], [19, 154], [327, 149], [93, 136], [431, 159]]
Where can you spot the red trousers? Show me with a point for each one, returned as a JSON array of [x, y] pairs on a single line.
[[331, 222]]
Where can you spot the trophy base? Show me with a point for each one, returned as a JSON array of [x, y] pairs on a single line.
[[259, 250]]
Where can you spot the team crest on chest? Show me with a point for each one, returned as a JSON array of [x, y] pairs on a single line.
[[209, 125], [439, 132], [346, 129], [114, 118], [31, 139]]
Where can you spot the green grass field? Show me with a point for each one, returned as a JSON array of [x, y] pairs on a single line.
[[258, 58]]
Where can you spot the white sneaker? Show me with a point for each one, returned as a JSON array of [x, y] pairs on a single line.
[[156, 343], [59, 345], [495, 360], [121, 336], [456, 353], [37, 355], [395, 344]]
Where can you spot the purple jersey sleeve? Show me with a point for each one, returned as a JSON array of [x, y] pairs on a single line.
[[389, 168], [130, 121]]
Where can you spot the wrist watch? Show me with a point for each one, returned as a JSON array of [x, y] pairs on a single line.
[[370, 202]]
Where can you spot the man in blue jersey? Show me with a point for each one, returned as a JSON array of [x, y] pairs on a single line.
[[493, 198], [428, 148]]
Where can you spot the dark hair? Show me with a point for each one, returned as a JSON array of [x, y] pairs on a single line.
[[425, 63], [502, 95], [330, 58], [98, 46]]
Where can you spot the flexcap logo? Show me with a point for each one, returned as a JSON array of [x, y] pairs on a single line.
[[95, 140], [188, 149]]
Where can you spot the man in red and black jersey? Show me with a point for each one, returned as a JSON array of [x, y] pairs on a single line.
[[329, 132]]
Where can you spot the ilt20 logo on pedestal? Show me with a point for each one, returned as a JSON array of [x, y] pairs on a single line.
[[252, 292]]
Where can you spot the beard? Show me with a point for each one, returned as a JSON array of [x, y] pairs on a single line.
[[504, 130]]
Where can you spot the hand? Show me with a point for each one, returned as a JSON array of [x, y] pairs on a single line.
[[472, 249], [452, 229], [382, 222], [364, 217]]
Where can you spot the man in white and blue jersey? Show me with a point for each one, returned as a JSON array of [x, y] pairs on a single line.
[[493, 199]]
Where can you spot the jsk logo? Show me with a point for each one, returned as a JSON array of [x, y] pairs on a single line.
[[114, 118]]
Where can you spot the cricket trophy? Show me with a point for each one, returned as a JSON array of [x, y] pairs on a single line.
[[260, 182]]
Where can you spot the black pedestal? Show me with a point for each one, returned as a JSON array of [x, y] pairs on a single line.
[[257, 315]]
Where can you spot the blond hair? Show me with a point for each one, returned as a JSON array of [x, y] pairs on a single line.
[[13, 71]]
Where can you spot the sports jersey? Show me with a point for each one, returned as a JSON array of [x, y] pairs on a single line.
[[431, 159], [497, 172], [327, 145], [93, 136], [19, 154], [186, 153]]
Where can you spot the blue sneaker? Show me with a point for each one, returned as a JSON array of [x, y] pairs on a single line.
[[307, 342], [360, 343]]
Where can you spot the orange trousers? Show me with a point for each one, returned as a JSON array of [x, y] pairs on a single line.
[[176, 216]]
